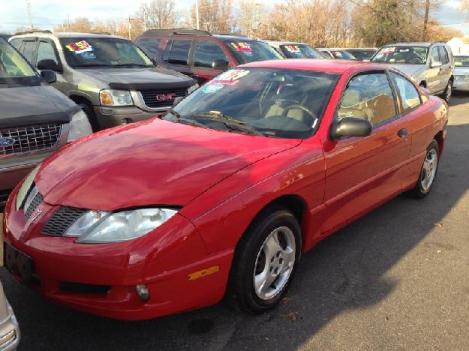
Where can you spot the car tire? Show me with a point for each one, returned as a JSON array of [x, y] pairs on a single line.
[[88, 109], [265, 261], [448, 91], [428, 172]]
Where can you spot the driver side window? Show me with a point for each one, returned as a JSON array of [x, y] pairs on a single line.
[[368, 96]]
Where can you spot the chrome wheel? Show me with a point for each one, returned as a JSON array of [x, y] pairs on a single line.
[[449, 90], [429, 168], [274, 263]]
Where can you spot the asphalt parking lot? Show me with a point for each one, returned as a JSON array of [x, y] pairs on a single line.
[[398, 279]]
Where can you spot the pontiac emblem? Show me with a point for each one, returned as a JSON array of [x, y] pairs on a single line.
[[5, 142], [165, 97]]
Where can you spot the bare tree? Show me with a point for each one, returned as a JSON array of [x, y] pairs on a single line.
[[215, 15], [158, 14]]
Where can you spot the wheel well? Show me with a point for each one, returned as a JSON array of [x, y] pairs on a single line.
[[440, 140], [80, 100], [423, 84]]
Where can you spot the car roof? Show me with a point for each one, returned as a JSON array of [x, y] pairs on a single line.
[[330, 66], [42, 34], [233, 37], [416, 43]]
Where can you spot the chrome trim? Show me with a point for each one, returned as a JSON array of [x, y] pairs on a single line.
[[140, 103]]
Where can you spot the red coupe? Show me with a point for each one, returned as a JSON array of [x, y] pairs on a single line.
[[224, 194]]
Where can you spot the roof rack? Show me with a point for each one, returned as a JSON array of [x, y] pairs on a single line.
[[232, 34], [178, 31], [31, 31]]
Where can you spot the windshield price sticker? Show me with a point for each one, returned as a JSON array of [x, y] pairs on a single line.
[[232, 75], [79, 47], [242, 47], [293, 48]]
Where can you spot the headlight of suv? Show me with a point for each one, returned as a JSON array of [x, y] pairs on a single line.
[[79, 126], [96, 227], [23, 192], [109, 97], [192, 88]]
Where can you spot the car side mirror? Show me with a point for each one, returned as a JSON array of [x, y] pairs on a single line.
[[436, 64], [351, 127], [50, 65], [177, 100], [49, 76], [220, 64]]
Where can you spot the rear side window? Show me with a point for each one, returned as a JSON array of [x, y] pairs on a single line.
[[46, 51], [435, 55], [368, 96], [28, 49], [206, 53], [443, 55], [410, 97], [179, 52]]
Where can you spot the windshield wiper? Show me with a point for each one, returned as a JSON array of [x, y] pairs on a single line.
[[130, 65], [230, 123], [180, 119]]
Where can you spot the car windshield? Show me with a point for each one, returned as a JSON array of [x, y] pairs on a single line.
[[103, 52], [252, 50], [13, 67], [269, 102], [299, 51], [362, 54], [461, 61], [343, 55], [408, 55]]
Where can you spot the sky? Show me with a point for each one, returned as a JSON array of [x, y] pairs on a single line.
[[48, 13]]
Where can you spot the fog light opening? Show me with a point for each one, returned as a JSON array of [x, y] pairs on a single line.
[[143, 292]]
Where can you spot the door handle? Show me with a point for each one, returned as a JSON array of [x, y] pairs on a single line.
[[403, 133]]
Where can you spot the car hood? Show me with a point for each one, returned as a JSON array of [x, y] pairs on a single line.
[[25, 105], [139, 78], [461, 71], [151, 163], [413, 71]]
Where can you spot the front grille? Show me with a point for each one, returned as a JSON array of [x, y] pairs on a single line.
[[62, 220], [79, 288], [31, 205], [161, 98], [21, 140]]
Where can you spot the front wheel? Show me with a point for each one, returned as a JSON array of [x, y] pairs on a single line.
[[428, 171], [265, 261], [448, 91]]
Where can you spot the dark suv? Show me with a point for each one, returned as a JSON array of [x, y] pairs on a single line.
[[200, 54], [110, 77]]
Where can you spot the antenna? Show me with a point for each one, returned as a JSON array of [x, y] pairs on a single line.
[[30, 16]]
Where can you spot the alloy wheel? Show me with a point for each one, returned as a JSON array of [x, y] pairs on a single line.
[[429, 169]]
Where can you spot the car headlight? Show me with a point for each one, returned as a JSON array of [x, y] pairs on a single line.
[[24, 189], [96, 227], [79, 126], [109, 97], [192, 88]]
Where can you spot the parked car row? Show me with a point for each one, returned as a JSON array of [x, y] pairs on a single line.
[[254, 160]]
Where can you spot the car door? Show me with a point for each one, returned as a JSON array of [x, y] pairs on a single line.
[[47, 50], [433, 76], [28, 49], [446, 69], [176, 55], [363, 172], [209, 60]]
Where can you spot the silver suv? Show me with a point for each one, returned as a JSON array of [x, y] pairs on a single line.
[[108, 76], [431, 65]]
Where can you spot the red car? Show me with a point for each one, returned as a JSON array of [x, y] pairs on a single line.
[[225, 193]]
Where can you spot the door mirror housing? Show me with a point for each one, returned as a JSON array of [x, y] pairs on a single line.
[[351, 127], [220, 64], [49, 65], [49, 76]]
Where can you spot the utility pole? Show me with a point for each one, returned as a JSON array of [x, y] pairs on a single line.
[[197, 18], [425, 20], [130, 28], [30, 16]]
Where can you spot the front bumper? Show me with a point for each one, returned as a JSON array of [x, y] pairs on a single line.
[[461, 83], [102, 278], [9, 332], [108, 117]]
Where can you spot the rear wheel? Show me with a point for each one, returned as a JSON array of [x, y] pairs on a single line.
[[428, 172], [448, 91], [265, 261]]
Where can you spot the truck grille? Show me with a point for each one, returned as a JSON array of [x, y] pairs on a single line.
[[161, 98], [62, 220], [33, 200], [21, 140]]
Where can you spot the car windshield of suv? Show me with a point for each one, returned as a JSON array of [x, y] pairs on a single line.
[[461, 61], [408, 55], [103, 52], [259, 101], [252, 50], [299, 51], [13, 67]]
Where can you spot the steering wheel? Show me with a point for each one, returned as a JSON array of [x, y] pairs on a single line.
[[299, 107]]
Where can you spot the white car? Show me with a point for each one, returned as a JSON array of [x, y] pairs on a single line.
[[461, 73], [9, 330]]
